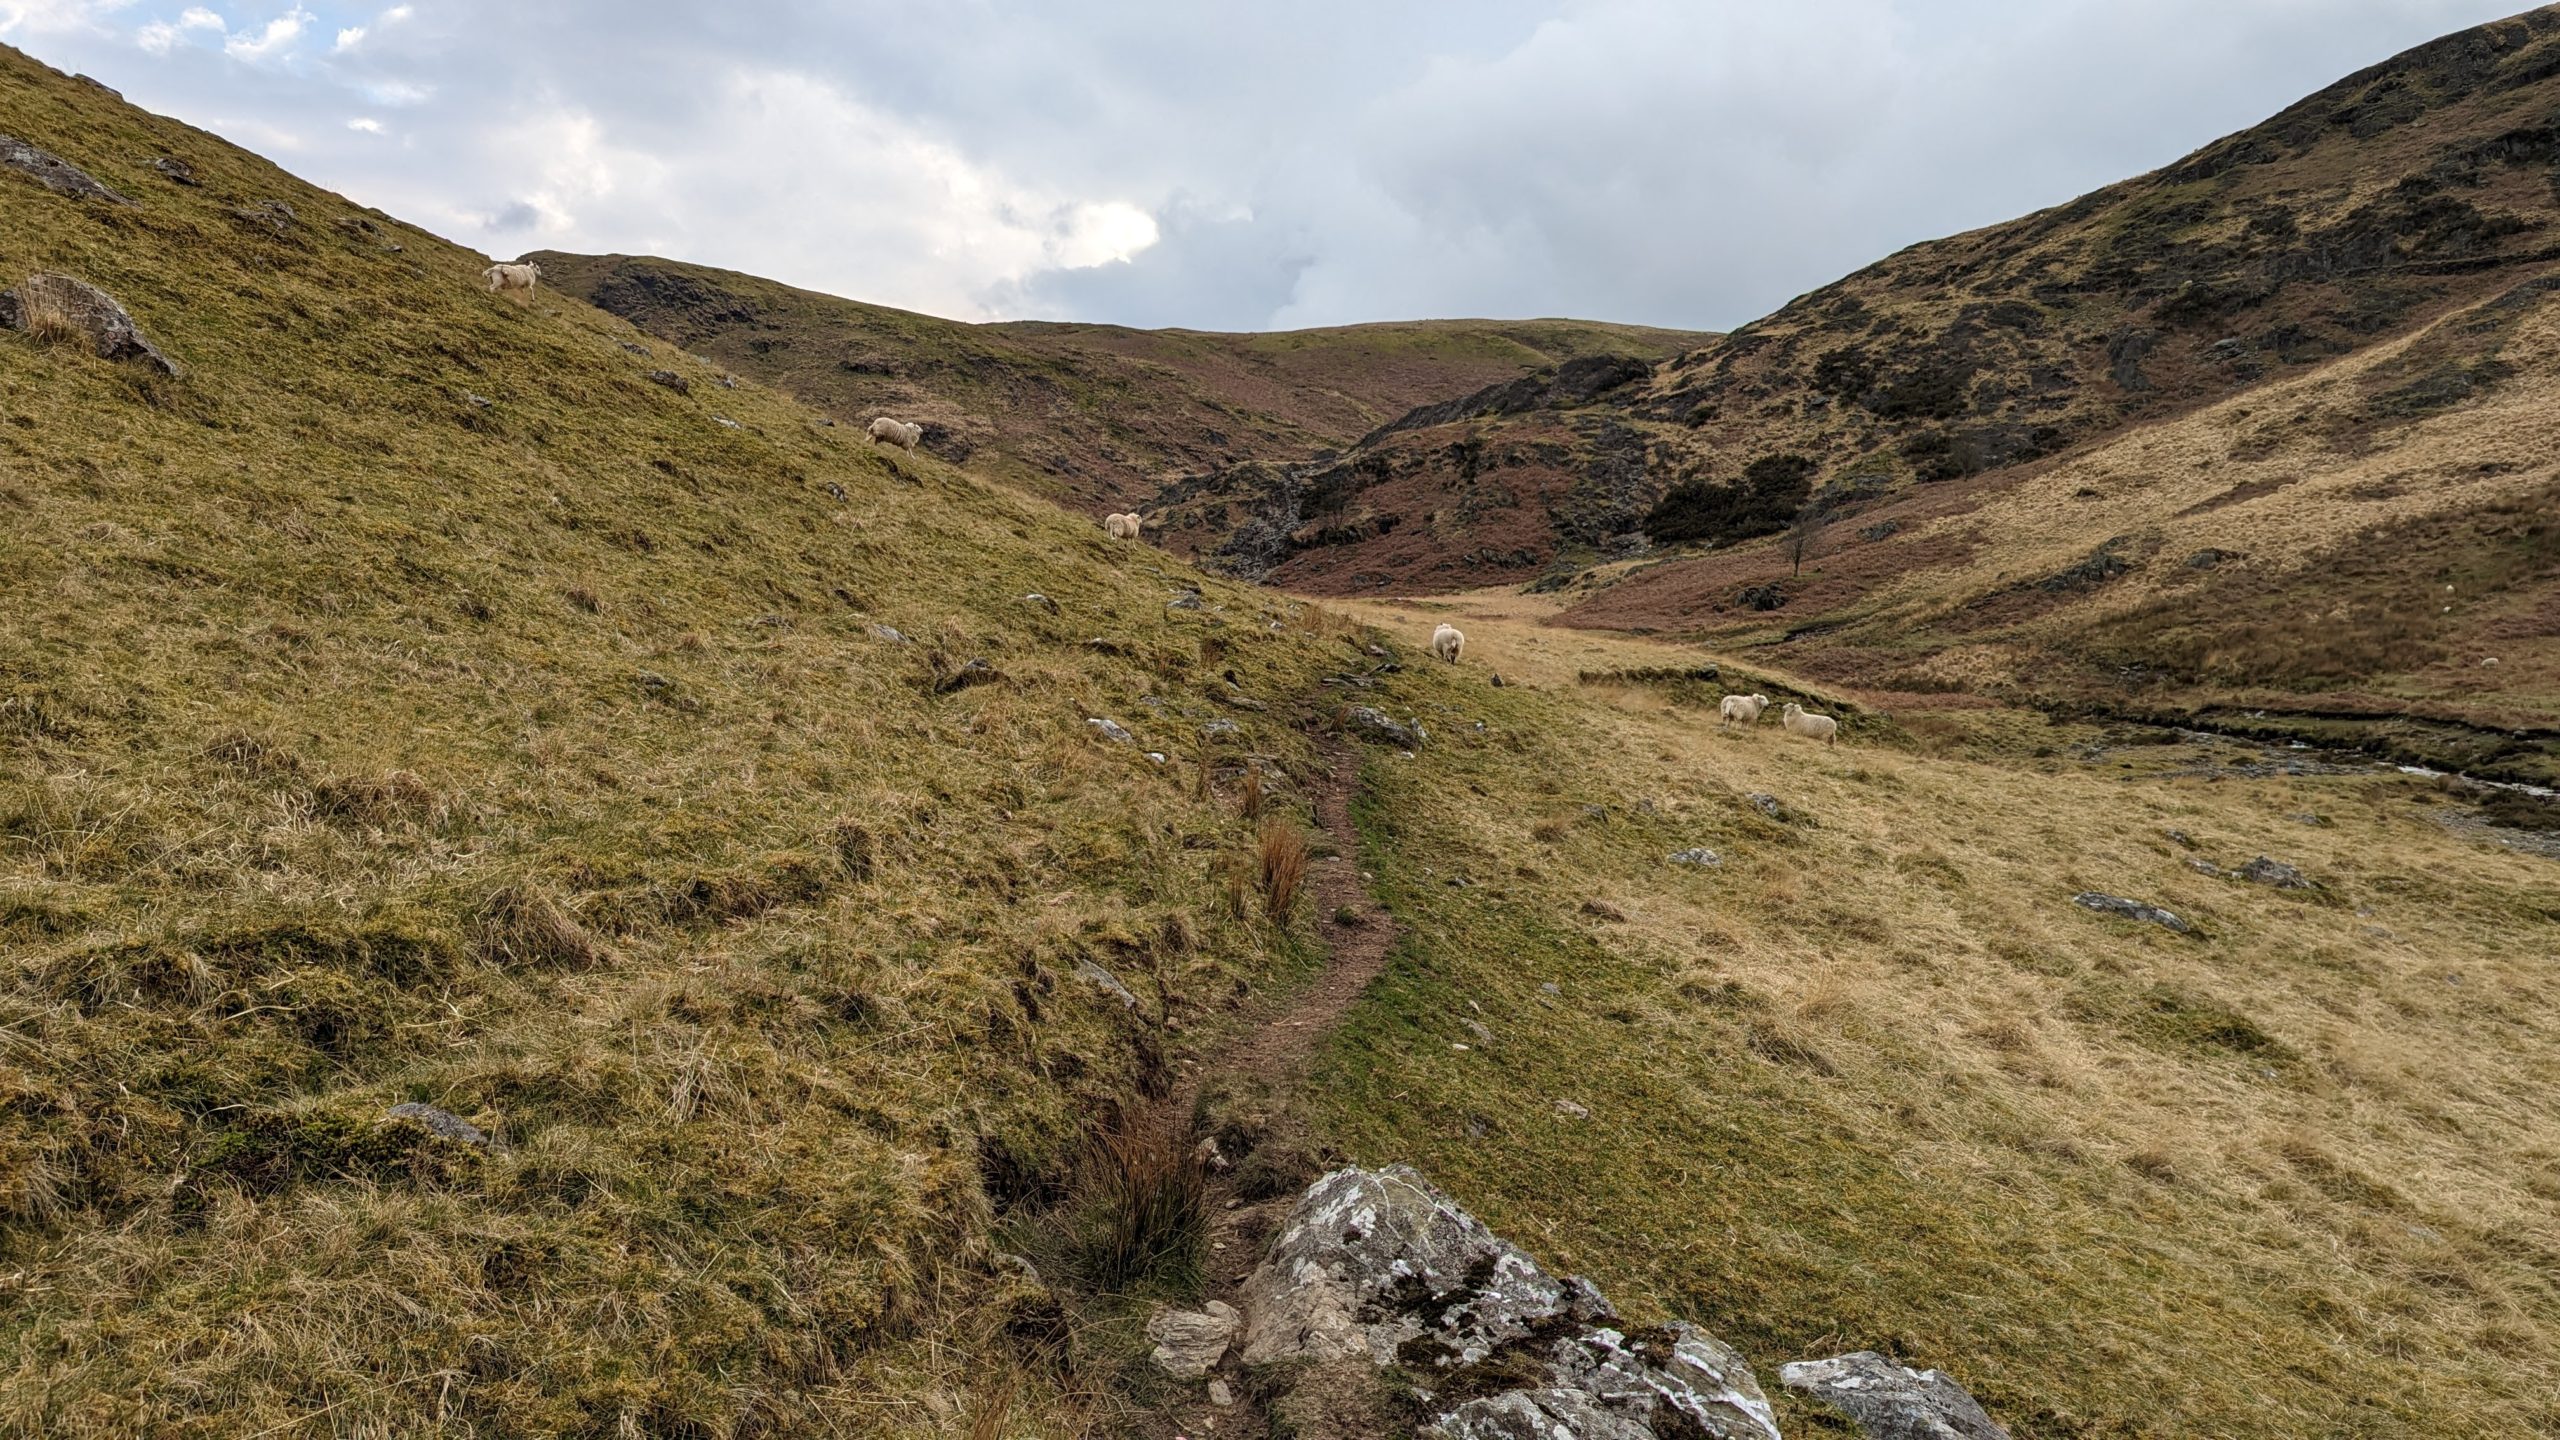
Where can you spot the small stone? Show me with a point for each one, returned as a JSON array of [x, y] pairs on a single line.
[[1106, 982], [1551, 987], [1702, 857], [178, 171], [1040, 601], [1603, 910], [2179, 837], [1767, 805], [1159, 757], [1220, 1395], [2131, 910], [1186, 600], [1221, 730], [442, 1123], [1370, 723], [891, 634], [1111, 730], [2263, 871], [669, 379], [974, 672], [726, 423], [1189, 1343], [1572, 1111]]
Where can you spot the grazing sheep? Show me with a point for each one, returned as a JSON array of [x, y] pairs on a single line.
[[1123, 527], [1448, 642], [510, 278], [1809, 725], [1742, 708], [897, 432]]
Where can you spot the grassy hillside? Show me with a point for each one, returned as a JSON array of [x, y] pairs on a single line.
[[413, 703], [1097, 416]]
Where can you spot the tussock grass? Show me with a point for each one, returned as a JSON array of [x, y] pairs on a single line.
[[1280, 855], [47, 319], [1140, 1215]]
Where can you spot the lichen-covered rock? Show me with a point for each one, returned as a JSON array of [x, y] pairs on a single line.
[[669, 379], [1368, 722], [2263, 871], [1890, 1401], [1701, 857], [45, 299], [2117, 905], [53, 172], [442, 1123], [1378, 1264], [1112, 730]]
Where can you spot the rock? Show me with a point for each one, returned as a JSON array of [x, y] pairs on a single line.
[[1190, 1343], [478, 401], [273, 216], [2263, 871], [1187, 600], [670, 379], [2131, 910], [1497, 680], [1106, 982], [1220, 1395], [1892, 1402], [442, 1123], [1702, 857], [1767, 805], [974, 672], [1602, 910], [178, 171], [1571, 1111], [2179, 837], [2208, 559], [2317, 822], [728, 382], [1367, 722], [725, 423], [1040, 601], [49, 299], [636, 348], [1111, 730], [1159, 757], [1221, 730], [1379, 1265], [53, 172], [891, 634]]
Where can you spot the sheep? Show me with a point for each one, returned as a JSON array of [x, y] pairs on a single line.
[[1448, 642], [1809, 725], [1123, 527], [897, 432], [1743, 708], [509, 278]]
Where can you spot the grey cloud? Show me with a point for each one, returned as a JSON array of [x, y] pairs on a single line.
[[1670, 161]]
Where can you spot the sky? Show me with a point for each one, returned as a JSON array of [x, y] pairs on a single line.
[[1229, 165]]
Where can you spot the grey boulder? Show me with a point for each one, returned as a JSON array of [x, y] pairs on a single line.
[[53, 172], [1368, 722], [2118, 906], [105, 324], [444, 1124], [1890, 1401]]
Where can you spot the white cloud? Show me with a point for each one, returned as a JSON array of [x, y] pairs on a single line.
[[365, 123], [348, 39], [277, 37], [55, 17]]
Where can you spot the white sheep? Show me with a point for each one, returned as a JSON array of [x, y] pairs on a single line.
[[1809, 725], [1123, 527], [507, 278], [897, 432], [1743, 709], [1448, 642]]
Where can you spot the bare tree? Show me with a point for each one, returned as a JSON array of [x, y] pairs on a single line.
[[1809, 520]]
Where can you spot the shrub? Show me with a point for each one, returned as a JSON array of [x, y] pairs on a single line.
[[1762, 502]]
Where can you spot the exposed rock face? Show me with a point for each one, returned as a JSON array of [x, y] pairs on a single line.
[[2131, 910], [1379, 1264], [53, 172], [46, 298], [1892, 1402], [1371, 723]]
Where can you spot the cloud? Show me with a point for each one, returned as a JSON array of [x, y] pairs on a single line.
[[276, 37], [1164, 162], [365, 124]]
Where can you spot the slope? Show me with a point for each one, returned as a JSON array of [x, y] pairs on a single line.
[[414, 703], [2360, 213], [1097, 416]]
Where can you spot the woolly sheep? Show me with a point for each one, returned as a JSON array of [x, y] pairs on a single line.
[[1742, 708], [1809, 725], [503, 278], [1448, 642], [1123, 527], [896, 432]]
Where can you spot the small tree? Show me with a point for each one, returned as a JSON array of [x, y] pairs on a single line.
[[1800, 532]]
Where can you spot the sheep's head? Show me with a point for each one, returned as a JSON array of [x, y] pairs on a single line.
[[1793, 710]]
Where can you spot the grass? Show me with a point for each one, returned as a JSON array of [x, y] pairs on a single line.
[[1876, 1082], [1280, 853], [539, 760]]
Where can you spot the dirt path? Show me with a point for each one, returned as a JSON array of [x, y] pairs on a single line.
[[1275, 1050]]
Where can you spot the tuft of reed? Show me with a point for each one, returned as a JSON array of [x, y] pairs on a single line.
[[1280, 849]]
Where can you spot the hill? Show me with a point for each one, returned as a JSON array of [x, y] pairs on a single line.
[[1096, 416], [416, 700], [2358, 218]]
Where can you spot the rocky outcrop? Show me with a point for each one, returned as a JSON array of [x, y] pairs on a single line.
[[53, 172], [1377, 1264], [1370, 723], [2118, 906], [443, 1124], [50, 303], [1892, 1402]]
